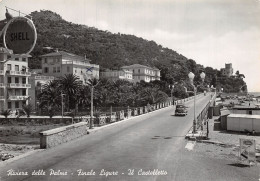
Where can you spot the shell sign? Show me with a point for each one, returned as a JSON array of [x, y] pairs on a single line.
[[19, 35]]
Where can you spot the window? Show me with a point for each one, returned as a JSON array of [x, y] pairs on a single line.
[[45, 60], [16, 67], [24, 92], [17, 92], [54, 69], [8, 56], [138, 70], [58, 69], [9, 67], [9, 80], [24, 59], [16, 104], [68, 69], [133, 71], [9, 105], [17, 80], [24, 80], [46, 70], [17, 58]]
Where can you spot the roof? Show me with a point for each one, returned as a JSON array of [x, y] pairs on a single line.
[[139, 65], [244, 116], [64, 54]]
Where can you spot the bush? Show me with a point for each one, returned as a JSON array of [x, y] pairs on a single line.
[[6, 113]]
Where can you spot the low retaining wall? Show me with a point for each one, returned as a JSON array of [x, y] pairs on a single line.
[[61, 135]]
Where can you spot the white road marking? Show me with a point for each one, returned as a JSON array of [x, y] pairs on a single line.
[[190, 145]]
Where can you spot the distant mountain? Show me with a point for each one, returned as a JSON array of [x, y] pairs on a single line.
[[111, 50]]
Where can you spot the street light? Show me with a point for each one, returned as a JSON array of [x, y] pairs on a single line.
[[171, 87], [62, 104], [191, 77]]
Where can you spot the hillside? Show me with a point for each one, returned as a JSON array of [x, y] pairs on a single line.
[[111, 50]]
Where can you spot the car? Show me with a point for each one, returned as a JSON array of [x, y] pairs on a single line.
[[181, 110]]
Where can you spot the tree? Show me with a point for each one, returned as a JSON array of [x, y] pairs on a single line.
[[27, 109], [70, 86]]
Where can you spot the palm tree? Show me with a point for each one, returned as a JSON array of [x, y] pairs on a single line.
[[70, 86], [50, 96]]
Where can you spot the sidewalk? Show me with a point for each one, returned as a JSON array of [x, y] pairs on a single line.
[[224, 144]]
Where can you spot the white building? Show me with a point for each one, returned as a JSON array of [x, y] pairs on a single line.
[[117, 75], [13, 80], [59, 63], [142, 72]]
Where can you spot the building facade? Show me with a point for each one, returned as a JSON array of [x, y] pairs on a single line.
[[37, 81], [115, 75], [60, 63], [228, 70], [14, 83], [142, 72]]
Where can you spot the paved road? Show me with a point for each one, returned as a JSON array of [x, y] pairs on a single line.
[[132, 150]]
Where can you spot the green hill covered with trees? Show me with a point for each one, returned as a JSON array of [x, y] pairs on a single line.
[[115, 50]]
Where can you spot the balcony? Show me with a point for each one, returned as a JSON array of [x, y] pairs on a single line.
[[81, 63], [17, 98], [17, 85], [2, 72], [21, 73]]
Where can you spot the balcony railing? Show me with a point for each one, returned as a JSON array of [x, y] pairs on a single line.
[[15, 98], [23, 73], [17, 85], [2, 72], [81, 63]]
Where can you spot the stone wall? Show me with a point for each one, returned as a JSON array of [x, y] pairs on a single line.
[[61, 135]]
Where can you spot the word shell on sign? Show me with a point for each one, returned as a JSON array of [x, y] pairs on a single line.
[[20, 36]]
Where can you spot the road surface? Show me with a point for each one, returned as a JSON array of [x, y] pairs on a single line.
[[149, 147]]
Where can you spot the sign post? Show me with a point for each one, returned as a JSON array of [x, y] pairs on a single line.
[[247, 150], [19, 35]]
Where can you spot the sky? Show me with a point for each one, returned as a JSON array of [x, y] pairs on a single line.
[[211, 32]]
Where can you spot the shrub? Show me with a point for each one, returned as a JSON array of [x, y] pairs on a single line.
[[6, 113]]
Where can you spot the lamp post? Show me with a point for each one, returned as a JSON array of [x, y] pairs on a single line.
[[93, 83], [62, 107], [191, 77], [171, 87]]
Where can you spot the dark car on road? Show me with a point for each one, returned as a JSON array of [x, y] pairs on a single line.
[[181, 110]]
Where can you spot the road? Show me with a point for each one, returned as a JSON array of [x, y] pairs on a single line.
[[132, 150]]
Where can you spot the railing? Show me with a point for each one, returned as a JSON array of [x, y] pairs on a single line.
[[203, 114], [80, 63], [17, 85], [12, 72], [18, 97], [126, 113]]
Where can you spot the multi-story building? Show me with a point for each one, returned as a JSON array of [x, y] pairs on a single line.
[[142, 72], [117, 75], [60, 63], [13, 80], [228, 70], [37, 81]]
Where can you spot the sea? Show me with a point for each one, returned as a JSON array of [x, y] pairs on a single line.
[[255, 94]]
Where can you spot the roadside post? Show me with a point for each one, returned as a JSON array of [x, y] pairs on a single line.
[[247, 151]]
